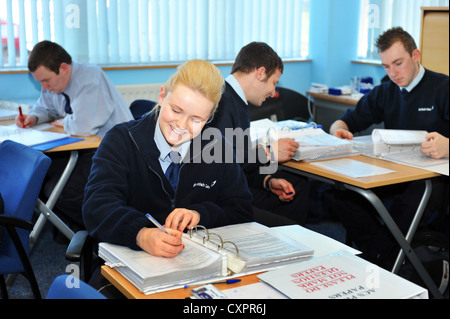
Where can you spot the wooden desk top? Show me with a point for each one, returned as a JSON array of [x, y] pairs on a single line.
[[87, 142], [402, 173], [344, 99], [131, 292]]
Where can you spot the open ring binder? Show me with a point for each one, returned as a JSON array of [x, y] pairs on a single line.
[[209, 255]]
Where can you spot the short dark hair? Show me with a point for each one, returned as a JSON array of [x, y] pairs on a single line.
[[388, 38], [48, 54], [255, 55]]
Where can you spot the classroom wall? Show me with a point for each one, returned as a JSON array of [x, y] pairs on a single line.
[[333, 45]]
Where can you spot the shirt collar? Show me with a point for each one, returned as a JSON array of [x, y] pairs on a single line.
[[236, 86], [165, 148], [75, 67], [416, 80]]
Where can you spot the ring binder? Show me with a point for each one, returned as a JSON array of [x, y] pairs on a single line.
[[207, 257], [206, 238]]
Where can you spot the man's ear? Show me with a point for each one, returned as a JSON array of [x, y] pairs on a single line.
[[416, 55], [63, 68], [260, 73]]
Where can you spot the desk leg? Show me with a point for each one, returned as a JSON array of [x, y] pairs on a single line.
[[414, 224], [46, 209], [401, 240]]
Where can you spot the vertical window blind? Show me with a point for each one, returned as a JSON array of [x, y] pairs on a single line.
[[112, 32], [378, 16]]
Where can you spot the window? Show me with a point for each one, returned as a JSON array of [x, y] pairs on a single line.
[[117, 32], [378, 16]]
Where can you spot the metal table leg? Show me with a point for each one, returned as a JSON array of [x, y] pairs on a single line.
[[395, 231], [46, 209]]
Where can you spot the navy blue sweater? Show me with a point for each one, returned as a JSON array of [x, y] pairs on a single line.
[[127, 181], [424, 108], [233, 113]]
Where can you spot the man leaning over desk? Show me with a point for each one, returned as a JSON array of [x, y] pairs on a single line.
[[414, 99], [81, 99]]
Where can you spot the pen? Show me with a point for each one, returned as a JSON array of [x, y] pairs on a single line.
[[21, 114], [155, 222], [228, 281]]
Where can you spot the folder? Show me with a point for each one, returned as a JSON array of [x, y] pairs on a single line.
[[209, 255], [314, 142], [400, 146], [37, 139]]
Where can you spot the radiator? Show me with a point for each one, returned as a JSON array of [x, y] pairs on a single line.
[[140, 92]]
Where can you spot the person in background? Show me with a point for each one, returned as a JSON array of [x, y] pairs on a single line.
[[81, 99], [413, 99], [279, 198]]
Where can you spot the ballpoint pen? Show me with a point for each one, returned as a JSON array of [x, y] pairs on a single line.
[[155, 222], [228, 281]]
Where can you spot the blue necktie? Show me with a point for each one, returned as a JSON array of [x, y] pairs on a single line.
[[173, 169], [67, 108]]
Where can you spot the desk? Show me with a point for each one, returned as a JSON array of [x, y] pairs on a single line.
[[131, 292], [329, 108], [322, 244], [363, 187]]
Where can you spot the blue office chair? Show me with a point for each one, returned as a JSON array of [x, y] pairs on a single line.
[[140, 108], [63, 287], [22, 171]]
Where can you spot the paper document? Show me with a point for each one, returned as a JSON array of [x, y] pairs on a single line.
[[323, 245], [352, 168], [340, 276], [28, 136]]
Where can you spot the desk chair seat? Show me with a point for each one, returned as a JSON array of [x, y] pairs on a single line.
[[22, 171]]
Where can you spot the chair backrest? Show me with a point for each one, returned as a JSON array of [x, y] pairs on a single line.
[[63, 288], [22, 171], [141, 107], [286, 105]]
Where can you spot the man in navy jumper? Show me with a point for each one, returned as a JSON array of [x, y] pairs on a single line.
[[279, 198], [414, 99]]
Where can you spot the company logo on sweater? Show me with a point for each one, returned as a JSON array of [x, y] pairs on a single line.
[[426, 109], [204, 185]]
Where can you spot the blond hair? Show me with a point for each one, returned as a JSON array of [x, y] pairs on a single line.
[[200, 76]]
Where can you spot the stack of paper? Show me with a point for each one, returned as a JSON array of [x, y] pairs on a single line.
[[314, 142], [261, 247], [152, 274], [340, 276]]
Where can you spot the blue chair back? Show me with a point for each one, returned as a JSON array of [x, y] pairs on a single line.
[[140, 108], [22, 171], [64, 287]]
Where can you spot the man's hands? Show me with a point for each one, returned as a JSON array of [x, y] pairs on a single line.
[[436, 146], [283, 149], [26, 121], [281, 188]]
